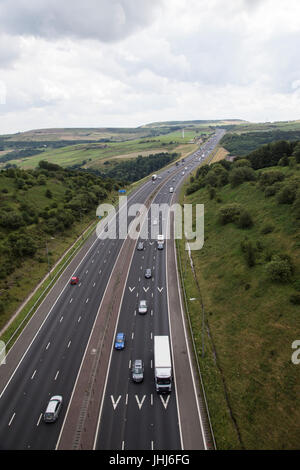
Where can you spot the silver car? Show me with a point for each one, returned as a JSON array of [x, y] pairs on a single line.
[[143, 306], [53, 409], [138, 370]]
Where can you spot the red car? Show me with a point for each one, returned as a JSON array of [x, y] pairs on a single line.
[[74, 280]]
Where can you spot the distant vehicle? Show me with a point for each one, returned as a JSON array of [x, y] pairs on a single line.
[[160, 238], [177, 163], [162, 364], [140, 246], [148, 273], [74, 280], [185, 167], [137, 370], [143, 307], [171, 189], [120, 341], [183, 173], [154, 177], [160, 246], [155, 222], [53, 409]]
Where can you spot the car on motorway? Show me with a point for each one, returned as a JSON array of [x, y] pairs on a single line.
[[140, 246], [171, 189], [148, 273], [182, 173], [74, 280], [137, 370], [120, 341], [160, 246], [155, 222], [143, 306], [53, 409]]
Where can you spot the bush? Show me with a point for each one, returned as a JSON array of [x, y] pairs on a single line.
[[229, 213], [279, 269], [267, 228], [244, 220], [268, 178], [287, 194], [239, 175], [295, 299], [249, 252]]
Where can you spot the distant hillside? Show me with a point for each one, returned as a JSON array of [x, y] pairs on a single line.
[[247, 279], [42, 212]]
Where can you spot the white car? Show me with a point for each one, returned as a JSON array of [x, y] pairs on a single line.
[[53, 409], [143, 307]]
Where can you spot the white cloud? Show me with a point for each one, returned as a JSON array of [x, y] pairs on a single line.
[[129, 62]]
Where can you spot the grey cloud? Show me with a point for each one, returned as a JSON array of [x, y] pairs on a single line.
[[105, 20], [9, 51]]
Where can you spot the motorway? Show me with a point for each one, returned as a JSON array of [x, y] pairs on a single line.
[[132, 416]]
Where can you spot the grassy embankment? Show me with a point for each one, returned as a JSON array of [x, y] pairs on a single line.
[[252, 386]]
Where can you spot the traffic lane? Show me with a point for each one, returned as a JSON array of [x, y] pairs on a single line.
[[54, 338], [62, 307]]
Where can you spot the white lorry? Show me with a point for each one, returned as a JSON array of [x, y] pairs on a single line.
[[162, 364]]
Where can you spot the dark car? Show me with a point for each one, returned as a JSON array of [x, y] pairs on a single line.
[[137, 370], [148, 273], [74, 280]]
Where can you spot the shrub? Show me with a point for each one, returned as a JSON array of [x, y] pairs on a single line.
[[267, 228], [295, 299], [229, 213], [268, 178], [239, 175], [244, 220], [279, 269], [241, 162], [249, 252], [287, 194]]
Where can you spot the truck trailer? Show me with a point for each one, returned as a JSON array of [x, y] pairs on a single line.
[[162, 364]]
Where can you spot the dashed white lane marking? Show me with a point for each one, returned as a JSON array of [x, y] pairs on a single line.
[[56, 375], [69, 344], [47, 346], [61, 319], [39, 420], [11, 419], [79, 319], [33, 374]]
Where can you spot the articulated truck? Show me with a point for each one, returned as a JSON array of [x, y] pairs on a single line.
[[162, 364]]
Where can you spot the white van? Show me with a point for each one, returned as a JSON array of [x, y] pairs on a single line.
[[171, 189]]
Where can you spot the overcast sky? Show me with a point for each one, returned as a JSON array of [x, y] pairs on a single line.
[[124, 63]]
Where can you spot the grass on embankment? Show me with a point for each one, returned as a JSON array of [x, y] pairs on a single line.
[[252, 386]]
